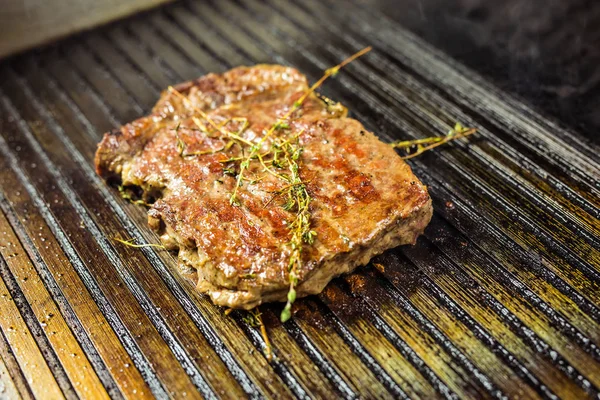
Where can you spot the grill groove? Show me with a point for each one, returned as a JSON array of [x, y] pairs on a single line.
[[498, 299]]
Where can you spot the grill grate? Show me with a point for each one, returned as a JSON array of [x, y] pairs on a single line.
[[499, 298]]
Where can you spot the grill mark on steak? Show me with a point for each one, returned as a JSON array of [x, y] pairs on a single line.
[[365, 198]]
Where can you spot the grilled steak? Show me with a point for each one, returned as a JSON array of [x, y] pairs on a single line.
[[364, 197]]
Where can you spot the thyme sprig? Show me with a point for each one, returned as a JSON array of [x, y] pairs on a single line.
[[282, 155], [298, 200], [254, 319], [285, 154], [419, 146], [129, 243], [283, 122], [219, 128], [182, 146]]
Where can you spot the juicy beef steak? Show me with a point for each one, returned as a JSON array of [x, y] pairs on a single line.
[[364, 197]]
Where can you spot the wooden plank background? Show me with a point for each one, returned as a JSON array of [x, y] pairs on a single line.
[[499, 299]]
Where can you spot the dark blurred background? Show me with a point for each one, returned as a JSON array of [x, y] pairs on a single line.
[[546, 51]]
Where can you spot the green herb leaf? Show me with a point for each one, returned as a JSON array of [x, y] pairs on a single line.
[[234, 201], [229, 171], [286, 314]]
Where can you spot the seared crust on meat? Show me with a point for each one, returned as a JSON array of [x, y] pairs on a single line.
[[365, 199]]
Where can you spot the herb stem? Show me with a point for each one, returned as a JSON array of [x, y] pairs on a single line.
[[265, 336], [328, 73], [430, 143], [208, 119], [129, 243], [281, 122]]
